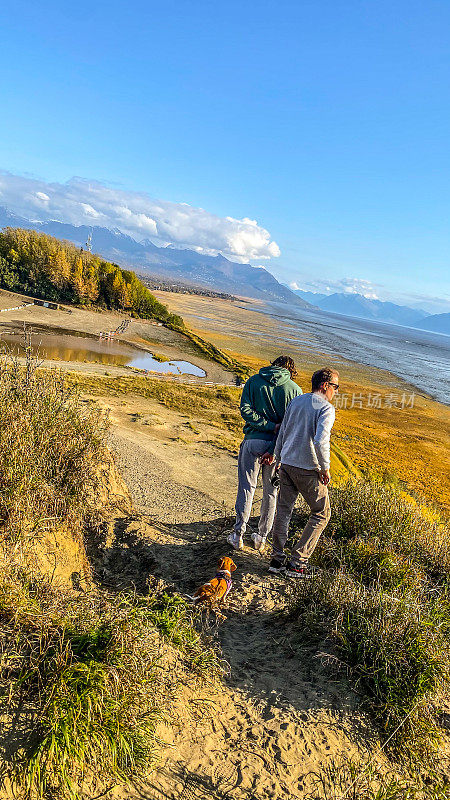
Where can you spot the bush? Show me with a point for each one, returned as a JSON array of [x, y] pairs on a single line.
[[356, 780], [378, 511], [50, 448], [393, 647], [383, 602]]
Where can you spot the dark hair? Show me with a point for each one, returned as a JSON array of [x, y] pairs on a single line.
[[322, 376], [287, 362]]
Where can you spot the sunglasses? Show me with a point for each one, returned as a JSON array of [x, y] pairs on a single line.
[[336, 385]]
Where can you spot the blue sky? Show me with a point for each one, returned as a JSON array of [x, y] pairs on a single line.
[[327, 123]]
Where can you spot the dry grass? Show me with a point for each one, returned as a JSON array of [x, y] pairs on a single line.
[[50, 448], [90, 670], [359, 780], [217, 406], [383, 603], [409, 445]]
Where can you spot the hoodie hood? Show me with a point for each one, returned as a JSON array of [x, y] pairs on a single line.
[[276, 376]]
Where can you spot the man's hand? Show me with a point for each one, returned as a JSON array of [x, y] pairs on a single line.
[[267, 458], [324, 476]]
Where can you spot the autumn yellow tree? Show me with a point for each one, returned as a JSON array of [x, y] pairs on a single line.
[[42, 266]]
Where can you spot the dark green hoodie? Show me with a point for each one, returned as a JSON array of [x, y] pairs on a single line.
[[265, 398]]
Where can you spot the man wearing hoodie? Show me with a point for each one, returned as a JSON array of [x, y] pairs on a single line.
[[265, 398]]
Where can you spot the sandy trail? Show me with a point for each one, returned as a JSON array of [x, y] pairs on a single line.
[[279, 715]]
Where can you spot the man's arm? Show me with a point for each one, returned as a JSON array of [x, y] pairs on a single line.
[[279, 442], [251, 416], [273, 452], [322, 440]]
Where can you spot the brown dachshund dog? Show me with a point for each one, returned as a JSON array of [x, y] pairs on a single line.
[[217, 589]]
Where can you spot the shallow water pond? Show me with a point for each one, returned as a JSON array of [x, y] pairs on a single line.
[[73, 346]]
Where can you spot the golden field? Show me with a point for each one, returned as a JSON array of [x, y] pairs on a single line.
[[410, 445]]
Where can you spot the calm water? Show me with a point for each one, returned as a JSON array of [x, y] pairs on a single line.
[[419, 357], [72, 346]]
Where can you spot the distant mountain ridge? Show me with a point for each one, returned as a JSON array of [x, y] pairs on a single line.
[[356, 305], [212, 272], [437, 323]]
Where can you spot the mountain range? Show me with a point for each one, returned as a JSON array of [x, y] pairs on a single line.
[[198, 269], [356, 305], [438, 323], [221, 275]]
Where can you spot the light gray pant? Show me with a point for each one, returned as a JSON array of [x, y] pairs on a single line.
[[295, 481], [248, 471]]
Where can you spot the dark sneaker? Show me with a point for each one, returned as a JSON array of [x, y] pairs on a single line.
[[298, 570], [276, 566]]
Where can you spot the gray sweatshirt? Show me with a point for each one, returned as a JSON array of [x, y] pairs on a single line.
[[304, 437]]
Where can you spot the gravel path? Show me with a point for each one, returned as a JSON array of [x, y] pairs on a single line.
[[153, 489]]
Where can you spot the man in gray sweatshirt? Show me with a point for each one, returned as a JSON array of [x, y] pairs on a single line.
[[303, 447], [264, 400]]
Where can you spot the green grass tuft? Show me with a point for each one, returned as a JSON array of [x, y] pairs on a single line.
[[173, 618], [95, 673]]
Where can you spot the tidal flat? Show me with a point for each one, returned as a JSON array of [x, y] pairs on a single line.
[[385, 426]]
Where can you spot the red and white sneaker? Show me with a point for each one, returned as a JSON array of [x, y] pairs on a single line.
[[299, 570]]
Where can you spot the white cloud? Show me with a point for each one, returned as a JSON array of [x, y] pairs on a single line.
[[89, 211], [359, 286], [434, 305], [346, 285], [82, 202], [141, 222]]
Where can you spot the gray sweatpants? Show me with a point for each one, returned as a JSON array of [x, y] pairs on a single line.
[[295, 481], [248, 471]]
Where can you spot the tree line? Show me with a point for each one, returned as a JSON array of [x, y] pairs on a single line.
[[40, 265]]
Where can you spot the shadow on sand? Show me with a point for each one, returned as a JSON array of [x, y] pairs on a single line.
[[265, 651]]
